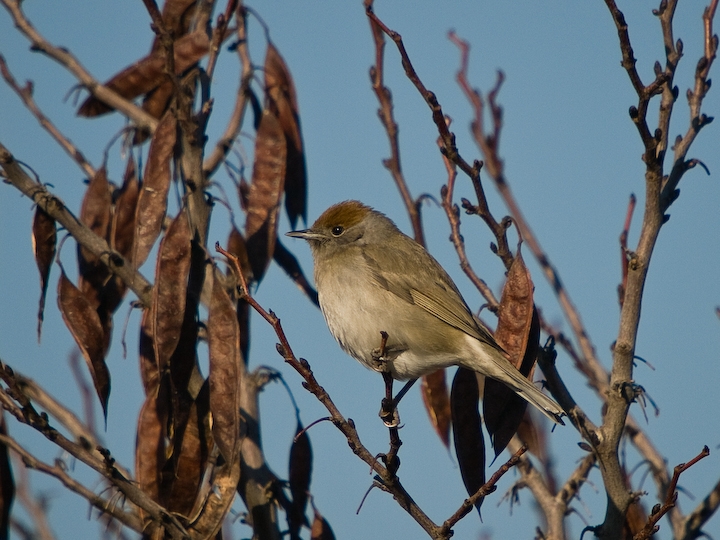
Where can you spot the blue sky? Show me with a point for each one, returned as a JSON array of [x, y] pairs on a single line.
[[572, 157]]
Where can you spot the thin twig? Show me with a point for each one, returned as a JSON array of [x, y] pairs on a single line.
[[223, 20], [17, 403], [226, 141], [452, 211], [659, 511], [581, 421], [385, 113], [487, 488], [82, 434], [575, 481], [26, 95], [697, 120], [499, 229], [449, 148], [34, 504], [488, 145], [695, 520], [553, 508]]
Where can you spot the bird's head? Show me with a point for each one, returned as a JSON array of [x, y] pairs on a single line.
[[346, 224]]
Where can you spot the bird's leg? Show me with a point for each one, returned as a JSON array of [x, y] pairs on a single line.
[[403, 391], [391, 418], [388, 412], [388, 408]]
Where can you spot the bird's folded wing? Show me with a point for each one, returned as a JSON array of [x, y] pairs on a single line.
[[451, 311], [442, 299]]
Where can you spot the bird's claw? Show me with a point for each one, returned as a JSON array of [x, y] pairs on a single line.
[[389, 414]]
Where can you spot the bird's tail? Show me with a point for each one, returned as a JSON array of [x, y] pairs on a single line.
[[493, 364]]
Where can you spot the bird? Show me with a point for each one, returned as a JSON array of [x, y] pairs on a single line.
[[372, 278]]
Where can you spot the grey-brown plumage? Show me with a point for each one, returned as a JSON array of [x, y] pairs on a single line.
[[372, 278]]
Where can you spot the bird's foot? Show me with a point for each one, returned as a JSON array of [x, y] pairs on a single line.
[[389, 413]]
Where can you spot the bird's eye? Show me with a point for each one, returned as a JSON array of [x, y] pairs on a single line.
[[337, 230]]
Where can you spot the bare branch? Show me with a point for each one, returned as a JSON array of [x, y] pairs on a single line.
[[34, 505], [697, 120], [703, 512], [453, 214], [80, 431], [487, 488], [553, 508], [218, 35], [572, 485]]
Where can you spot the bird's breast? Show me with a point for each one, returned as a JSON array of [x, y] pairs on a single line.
[[357, 310]]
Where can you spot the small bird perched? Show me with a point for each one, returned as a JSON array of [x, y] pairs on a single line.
[[371, 277]]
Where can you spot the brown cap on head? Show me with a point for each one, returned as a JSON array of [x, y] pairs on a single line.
[[346, 213]]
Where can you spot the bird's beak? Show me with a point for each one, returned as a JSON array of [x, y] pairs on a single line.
[[307, 234]]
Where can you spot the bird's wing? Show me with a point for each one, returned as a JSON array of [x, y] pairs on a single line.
[[441, 299], [450, 311]]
